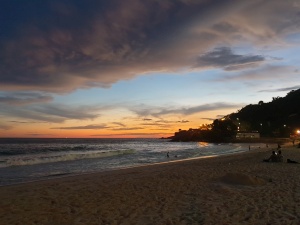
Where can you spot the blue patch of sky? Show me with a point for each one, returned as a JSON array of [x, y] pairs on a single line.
[[193, 88]]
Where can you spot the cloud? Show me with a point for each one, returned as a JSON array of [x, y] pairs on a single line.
[[129, 134], [282, 89], [24, 122], [5, 127], [183, 121], [211, 119], [73, 46], [40, 135], [119, 124], [63, 111], [87, 127], [267, 72], [129, 128], [223, 57], [24, 98], [160, 111], [52, 113]]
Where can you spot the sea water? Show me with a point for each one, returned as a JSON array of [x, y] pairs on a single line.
[[25, 160]]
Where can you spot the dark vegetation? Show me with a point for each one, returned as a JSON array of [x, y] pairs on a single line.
[[279, 118]]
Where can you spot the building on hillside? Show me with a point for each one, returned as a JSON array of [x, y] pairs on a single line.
[[241, 134]]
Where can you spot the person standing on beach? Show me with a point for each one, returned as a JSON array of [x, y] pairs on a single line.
[[278, 147]]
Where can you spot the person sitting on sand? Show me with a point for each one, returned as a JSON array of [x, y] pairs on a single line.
[[280, 156], [272, 158]]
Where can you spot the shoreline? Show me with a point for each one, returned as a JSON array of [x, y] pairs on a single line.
[[245, 140], [171, 160], [194, 191]]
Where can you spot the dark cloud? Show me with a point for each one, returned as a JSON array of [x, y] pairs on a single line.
[[282, 89], [59, 46], [183, 121], [223, 57], [52, 113], [24, 98], [119, 124], [211, 119], [225, 27], [24, 122], [74, 45]]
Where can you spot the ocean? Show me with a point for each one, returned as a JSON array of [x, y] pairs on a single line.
[[26, 160]]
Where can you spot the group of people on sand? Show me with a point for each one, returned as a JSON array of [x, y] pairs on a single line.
[[275, 157], [278, 157]]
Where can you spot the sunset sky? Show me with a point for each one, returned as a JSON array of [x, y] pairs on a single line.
[[140, 68]]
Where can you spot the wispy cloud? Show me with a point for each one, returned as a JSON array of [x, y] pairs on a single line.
[[86, 127], [160, 111], [282, 89], [128, 128], [5, 127], [24, 122], [267, 72], [52, 113], [24, 98], [119, 124]]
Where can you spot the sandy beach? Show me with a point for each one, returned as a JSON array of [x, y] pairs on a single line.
[[234, 189]]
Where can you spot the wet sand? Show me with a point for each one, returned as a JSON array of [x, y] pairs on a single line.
[[234, 189]]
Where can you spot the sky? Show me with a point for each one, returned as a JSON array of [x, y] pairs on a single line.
[[140, 68]]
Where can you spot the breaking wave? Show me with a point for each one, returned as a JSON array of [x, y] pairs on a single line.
[[68, 156]]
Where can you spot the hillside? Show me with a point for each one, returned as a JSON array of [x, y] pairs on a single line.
[[278, 118]]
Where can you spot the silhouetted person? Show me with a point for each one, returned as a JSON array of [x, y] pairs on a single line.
[[280, 156], [168, 155], [272, 158], [278, 147]]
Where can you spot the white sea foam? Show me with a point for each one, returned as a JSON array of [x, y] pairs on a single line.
[[57, 157], [68, 156]]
